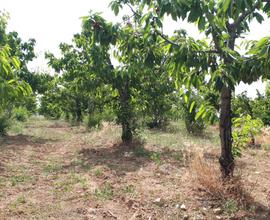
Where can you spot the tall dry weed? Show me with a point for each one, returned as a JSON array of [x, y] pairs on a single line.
[[207, 178]]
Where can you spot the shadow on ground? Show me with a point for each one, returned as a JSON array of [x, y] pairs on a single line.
[[123, 159], [17, 141]]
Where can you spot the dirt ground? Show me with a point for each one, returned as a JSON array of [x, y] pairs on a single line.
[[50, 170]]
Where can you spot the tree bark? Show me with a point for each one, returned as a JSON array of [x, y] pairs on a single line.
[[127, 135], [78, 111], [226, 159], [125, 114]]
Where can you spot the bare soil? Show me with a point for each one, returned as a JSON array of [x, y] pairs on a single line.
[[54, 171]]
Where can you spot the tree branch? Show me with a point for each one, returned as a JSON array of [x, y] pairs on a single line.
[[167, 40], [177, 45], [243, 16], [133, 11]]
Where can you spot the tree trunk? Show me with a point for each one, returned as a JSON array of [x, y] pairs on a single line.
[[125, 114], [78, 112], [226, 159], [126, 133]]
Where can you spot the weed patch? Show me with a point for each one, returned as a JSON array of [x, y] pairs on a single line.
[[21, 179], [105, 192], [52, 167]]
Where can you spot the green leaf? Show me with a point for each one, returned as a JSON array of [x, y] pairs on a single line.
[[202, 23], [16, 62], [186, 98], [258, 17], [193, 15], [226, 5], [200, 112], [192, 106], [11, 81]]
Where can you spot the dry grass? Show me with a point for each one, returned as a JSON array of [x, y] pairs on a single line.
[[208, 180], [107, 134], [264, 138]]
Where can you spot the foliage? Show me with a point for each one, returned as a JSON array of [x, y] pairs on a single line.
[[136, 87], [24, 52], [242, 105], [12, 88], [93, 120], [4, 123], [261, 106], [244, 132], [20, 114], [158, 93], [48, 107], [257, 108], [214, 63], [193, 125]]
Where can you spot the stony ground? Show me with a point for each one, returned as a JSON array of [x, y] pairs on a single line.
[[50, 170]]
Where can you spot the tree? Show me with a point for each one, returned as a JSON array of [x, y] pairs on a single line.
[[157, 94], [223, 22], [24, 52], [11, 87], [80, 90], [128, 87], [140, 60], [261, 106]]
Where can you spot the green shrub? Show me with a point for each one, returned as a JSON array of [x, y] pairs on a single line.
[[194, 126], [108, 115], [244, 131], [261, 109], [93, 120], [4, 123], [20, 114]]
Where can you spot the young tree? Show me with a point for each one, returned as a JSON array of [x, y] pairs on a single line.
[[223, 22], [24, 52], [261, 106], [139, 73], [11, 87]]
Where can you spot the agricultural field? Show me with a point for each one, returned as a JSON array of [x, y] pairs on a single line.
[[51, 170], [135, 109]]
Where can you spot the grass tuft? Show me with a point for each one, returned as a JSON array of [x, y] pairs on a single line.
[[105, 192], [229, 193]]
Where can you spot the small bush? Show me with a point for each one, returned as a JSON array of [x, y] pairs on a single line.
[[4, 123], [20, 114], [194, 126], [244, 131], [93, 121], [108, 116]]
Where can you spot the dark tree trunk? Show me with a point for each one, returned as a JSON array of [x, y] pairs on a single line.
[[125, 114], [78, 112], [126, 133], [225, 126], [226, 159]]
